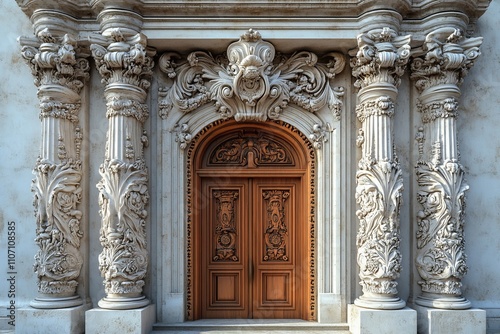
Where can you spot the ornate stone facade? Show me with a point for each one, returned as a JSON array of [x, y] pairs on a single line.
[[172, 73]]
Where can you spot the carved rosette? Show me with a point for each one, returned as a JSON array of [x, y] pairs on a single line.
[[60, 74], [250, 83], [125, 65], [378, 65], [438, 69]]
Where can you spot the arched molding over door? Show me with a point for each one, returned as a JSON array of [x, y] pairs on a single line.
[[257, 151]]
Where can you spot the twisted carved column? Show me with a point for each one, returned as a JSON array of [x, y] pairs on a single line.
[[125, 67], [378, 65], [438, 70], [59, 74]]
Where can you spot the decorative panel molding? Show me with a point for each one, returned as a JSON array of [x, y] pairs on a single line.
[[276, 234]]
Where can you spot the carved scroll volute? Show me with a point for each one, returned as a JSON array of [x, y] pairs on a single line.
[[378, 65], [438, 69], [125, 65], [249, 84], [60, 72]]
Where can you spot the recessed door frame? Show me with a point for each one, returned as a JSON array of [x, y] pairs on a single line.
[[304, 157]]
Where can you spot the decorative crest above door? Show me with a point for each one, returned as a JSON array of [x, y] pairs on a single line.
[[250, 83]]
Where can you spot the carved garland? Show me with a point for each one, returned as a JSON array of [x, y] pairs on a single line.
[[250, 84], [189, 223]]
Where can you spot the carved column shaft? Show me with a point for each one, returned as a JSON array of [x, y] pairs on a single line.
[[378, 65], [438, 69], [59, 75], [125, 67]]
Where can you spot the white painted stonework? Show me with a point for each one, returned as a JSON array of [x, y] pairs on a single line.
[[103, 102]]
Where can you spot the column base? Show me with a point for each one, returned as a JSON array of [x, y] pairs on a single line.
[[49, 302], [369, 321], [141, 320], [39, 321], [442, 302], [123, 303], [435, 321], [380, 303]]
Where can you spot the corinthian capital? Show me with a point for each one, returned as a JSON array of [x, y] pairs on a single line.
[[444, 58], [124, 59], [381, 57], [55, 61]]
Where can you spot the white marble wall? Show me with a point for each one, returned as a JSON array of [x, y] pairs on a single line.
[[478, 123]]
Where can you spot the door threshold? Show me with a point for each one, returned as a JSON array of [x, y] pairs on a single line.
[[250, 325]]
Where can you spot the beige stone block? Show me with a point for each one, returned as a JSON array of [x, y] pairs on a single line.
[[136, 321], [41, 321], [438, 321], [371, 321]]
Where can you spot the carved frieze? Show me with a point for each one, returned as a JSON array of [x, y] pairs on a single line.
[[225, 229], [251, 150], [251, 83], [276, 233]]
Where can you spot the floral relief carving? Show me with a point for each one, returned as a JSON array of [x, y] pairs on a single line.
[[276, 234], [251, 150], [58, 194], [251, 84], [123, 197], [379, 195], [225, 230]]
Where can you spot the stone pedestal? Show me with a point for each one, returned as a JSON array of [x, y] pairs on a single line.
[[40, 321], [136, 321], [436, 321], [371, 321]]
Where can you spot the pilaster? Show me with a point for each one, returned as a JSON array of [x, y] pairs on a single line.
[[60, 73], [125, 65], [438, 69], [377, 66]]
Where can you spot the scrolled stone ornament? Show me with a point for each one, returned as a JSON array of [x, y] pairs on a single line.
[[249, 83]]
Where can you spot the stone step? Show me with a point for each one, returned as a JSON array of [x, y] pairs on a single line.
[[233, 326]]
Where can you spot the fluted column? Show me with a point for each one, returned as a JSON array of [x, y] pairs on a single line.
[[438, 70], [378, 65], [125, 66], [60, 74]]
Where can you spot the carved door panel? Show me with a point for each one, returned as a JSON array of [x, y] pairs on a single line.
[[250, 248]]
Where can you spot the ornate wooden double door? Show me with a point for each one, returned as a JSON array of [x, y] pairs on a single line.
[[252, 234]]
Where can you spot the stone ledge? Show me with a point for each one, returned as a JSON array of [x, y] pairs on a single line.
[[40, 321]]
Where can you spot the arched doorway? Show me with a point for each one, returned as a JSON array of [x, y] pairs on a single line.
[[251, 228]]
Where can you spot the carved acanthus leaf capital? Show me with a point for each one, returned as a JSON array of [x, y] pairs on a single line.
[[251, 84], [55, 61], [445, 58], [381, 58], [124, 59]]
